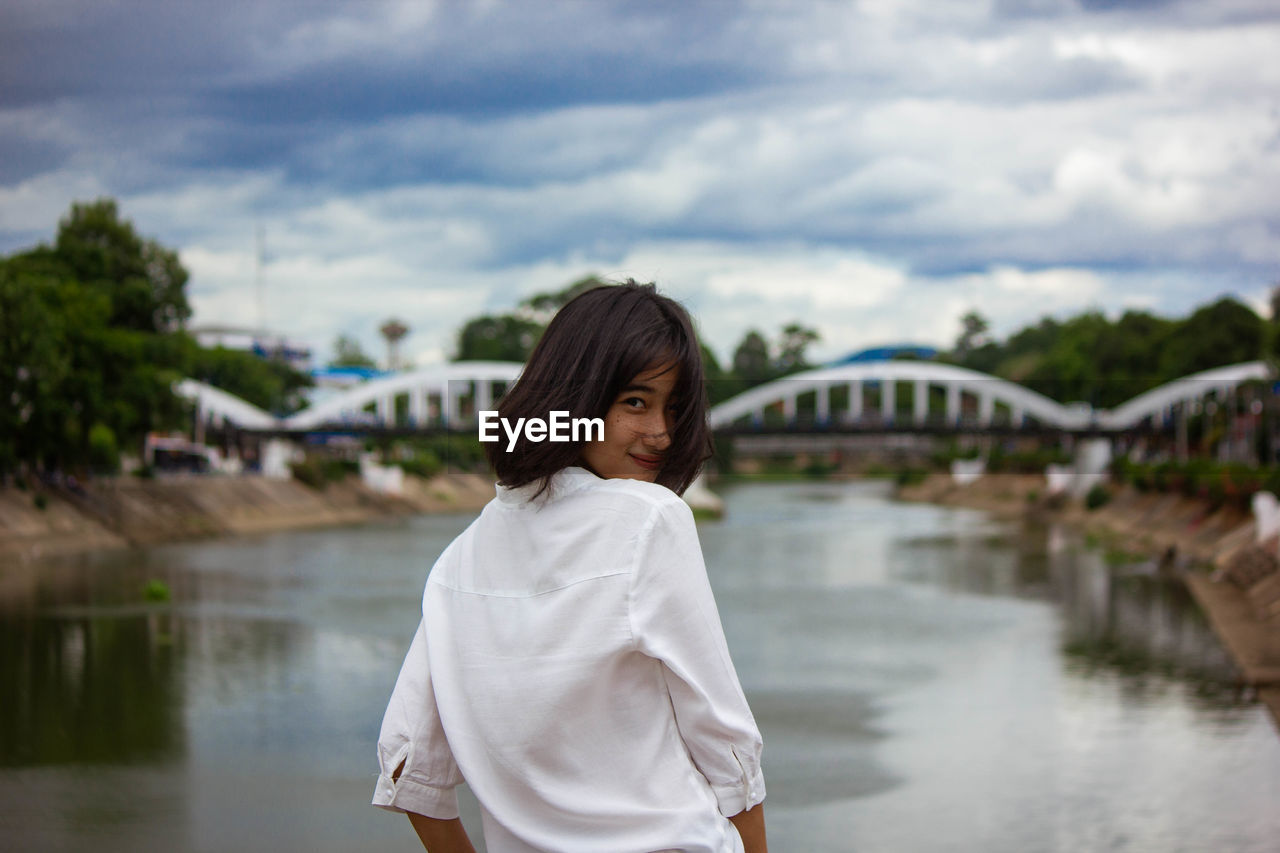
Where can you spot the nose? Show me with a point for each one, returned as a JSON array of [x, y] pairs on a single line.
[[657, 435]]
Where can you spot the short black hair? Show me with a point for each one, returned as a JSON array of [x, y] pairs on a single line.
[[596, 344]]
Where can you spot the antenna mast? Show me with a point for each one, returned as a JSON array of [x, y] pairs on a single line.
[[259, 257]]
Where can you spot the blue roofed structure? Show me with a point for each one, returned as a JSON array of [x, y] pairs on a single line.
[[888, 353]]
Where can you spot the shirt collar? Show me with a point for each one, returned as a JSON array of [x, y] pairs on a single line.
[[563, 482]]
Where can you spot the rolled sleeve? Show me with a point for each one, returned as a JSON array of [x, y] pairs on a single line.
[[675, 620], [412, 741]]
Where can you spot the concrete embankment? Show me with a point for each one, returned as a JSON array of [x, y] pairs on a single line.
[[129, 511], [1216, 551]]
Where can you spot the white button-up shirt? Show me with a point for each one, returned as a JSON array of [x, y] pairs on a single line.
[[571, 667]]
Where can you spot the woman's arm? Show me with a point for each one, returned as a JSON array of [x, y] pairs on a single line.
[[448, 836], [674, 620], [750, 824]]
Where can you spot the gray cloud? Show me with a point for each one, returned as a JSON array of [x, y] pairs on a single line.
[[479, 152]]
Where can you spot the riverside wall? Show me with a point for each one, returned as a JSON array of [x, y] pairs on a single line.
[[119, 512], [1215, 551]]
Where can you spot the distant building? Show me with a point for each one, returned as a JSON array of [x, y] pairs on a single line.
[[888, 353], [342, 378], [331, 381], [260, 342]]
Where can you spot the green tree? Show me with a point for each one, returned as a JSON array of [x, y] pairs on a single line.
[[544, 305], [1225, 332], [269, 384], [751, 362], [33, 365], [1105, 363], [347, 352], [145, 281], [512, 336], [973, 333], [505, 337], [792, 349], [92, 328]]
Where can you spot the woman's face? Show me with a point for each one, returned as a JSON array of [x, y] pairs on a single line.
[[637, 427]]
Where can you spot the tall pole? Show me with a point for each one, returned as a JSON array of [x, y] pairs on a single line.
[[1181, 445], [259, 258]]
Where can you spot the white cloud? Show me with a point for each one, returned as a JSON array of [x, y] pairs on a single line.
[[38, 203], [875, 157]]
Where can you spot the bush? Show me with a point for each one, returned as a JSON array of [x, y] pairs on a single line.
[[910, 476], [1240, 483], [318, 472], [449, 452], [40, 501], [156, 591], [1097, 497], [104, 455], [723, 452], [1142, 477], [819, 469], [424, 464], [1201, 478], [941, 459]]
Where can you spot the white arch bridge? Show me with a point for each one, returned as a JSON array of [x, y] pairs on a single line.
[[866, 395]]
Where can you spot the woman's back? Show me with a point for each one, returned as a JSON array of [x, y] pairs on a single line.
[[539, 620], [570, 662]]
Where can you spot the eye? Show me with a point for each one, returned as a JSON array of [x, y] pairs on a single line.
[[632, 402]]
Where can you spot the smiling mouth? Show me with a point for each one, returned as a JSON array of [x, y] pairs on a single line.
[[649, 463]]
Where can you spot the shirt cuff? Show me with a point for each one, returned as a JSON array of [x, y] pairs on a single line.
[[737, 798], [408, 795]]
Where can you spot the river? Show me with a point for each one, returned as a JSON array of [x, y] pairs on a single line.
[[926, 679]]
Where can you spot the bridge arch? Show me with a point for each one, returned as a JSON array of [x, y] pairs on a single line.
[[214, 404], [922, 375], [1158, 403], [434, 395]]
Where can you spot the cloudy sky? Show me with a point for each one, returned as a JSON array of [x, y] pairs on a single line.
[[872, 169]]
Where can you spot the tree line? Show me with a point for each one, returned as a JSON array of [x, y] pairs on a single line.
[[93, 339], [511, 336], [1104, 362]]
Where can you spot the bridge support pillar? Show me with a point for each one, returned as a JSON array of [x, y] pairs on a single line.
[[446, 405], [823, 405], [986, 409], [418, 408], [484, 395], [789, 408], [855, 401], [385, 408], [1180, 440], [1092, 458], [953, 404], [920, 401], [888, 399]]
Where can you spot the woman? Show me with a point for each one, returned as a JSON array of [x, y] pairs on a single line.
[[570, 663]]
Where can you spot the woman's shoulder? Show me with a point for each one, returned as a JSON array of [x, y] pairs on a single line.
[[640, 499]]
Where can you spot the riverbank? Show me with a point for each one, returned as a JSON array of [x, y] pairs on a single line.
[[1214, 550], [124, 511]]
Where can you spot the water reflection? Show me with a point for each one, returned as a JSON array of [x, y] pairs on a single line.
[[1133, 618], [926, 678], [90, 689]]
